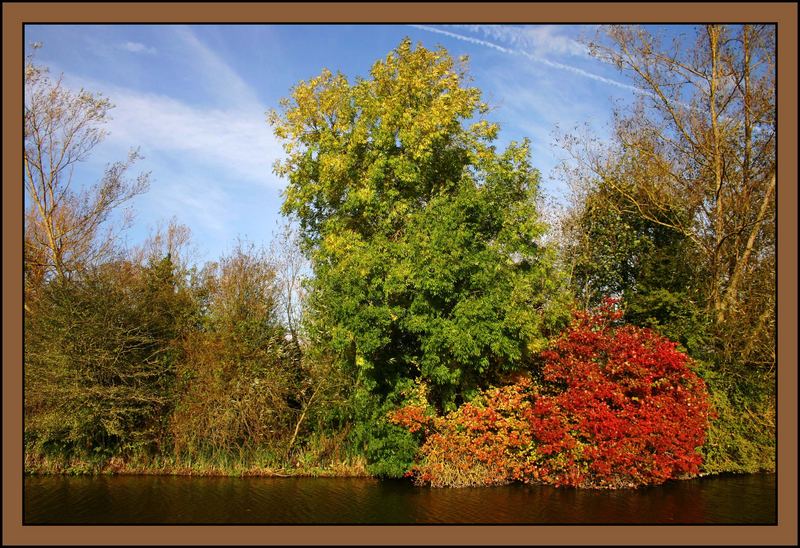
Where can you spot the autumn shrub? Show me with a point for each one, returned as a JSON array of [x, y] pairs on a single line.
[[100, 354], [240, 373], [630, 411], [616, 406], [484, 442], [231, 400]]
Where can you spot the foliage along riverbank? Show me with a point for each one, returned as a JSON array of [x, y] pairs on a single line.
[[435, 287]]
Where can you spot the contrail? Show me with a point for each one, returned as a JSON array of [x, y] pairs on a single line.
[[562, 66], [540, 37]]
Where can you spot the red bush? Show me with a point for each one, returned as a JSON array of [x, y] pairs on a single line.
[[629, 409], [619, 407]]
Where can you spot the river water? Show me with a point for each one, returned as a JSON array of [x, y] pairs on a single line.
[[746, 499]]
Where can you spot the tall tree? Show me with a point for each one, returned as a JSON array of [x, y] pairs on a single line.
[[700, 141], [65, 227], [424, 240]]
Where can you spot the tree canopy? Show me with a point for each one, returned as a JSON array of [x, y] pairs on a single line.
[[424, 239]]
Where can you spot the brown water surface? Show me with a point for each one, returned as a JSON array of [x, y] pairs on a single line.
[[747, 499]]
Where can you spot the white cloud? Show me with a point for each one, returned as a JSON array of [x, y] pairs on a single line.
[[237, 141], [137, 47], [233, 138], [207, 165]]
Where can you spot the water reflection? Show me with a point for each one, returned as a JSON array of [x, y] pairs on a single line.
[[166, 499]]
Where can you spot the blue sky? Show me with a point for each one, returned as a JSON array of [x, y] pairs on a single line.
[[193, 99]]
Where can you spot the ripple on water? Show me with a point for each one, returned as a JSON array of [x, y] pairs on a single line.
[[168, 499]]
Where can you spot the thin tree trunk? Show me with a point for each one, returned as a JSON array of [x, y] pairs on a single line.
[[301, 419], [733, 287], [719, 210]]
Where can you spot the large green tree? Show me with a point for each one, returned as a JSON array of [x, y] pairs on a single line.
[[424, 239]]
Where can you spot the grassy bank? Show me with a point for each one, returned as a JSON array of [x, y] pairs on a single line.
[[212, 465]]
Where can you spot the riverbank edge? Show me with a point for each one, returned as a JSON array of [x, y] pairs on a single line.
[[335, 470]]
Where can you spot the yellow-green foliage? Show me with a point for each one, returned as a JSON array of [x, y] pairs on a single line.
[[425, 241]]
